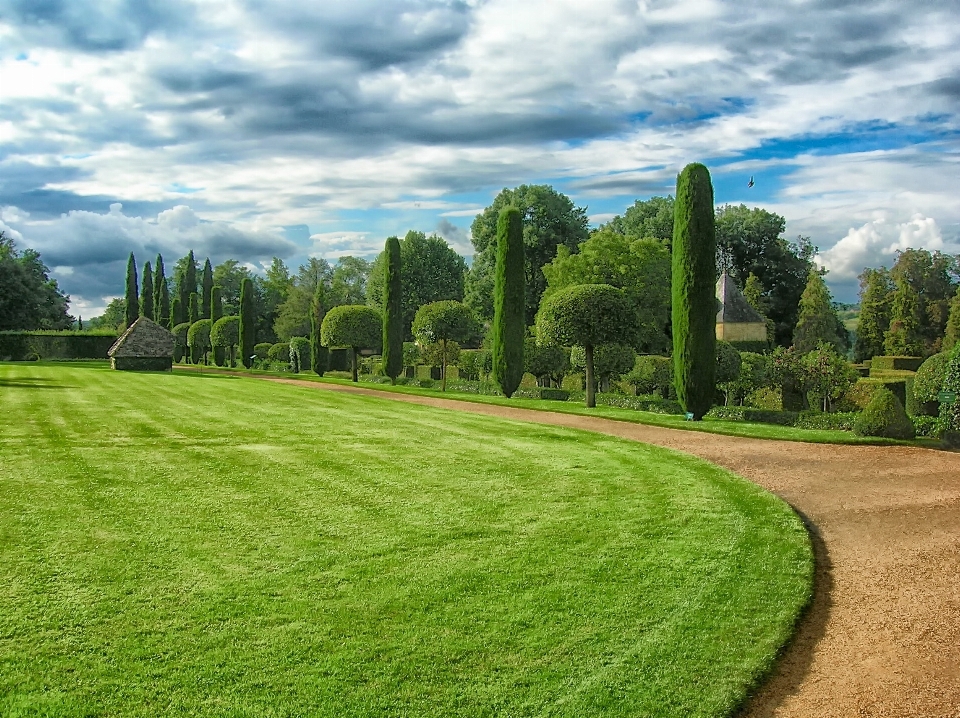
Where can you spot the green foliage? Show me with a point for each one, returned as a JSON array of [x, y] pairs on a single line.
[[474, 364], [29, 299], [279, 352], [652, 374], [646, 219], [161, 295], [132, 302], [176, 312], [587, 315], [146, 300], [432, 272], [319, 354], [198, 339], [904, 337], [754, 374], [751, 241], [758, 416], [180, 345], [261, 351], [930, 377], [833, 421], [610, 361], [949, 421], [884, 417], [952, 332], [827, 374], [727, 363], [640, 267], [392, 309], [193, 313], [876, 290], [509, 325], [18, 346], [216, 313], [545, 361], [554, 394], [441, 354], [355, 326], [248, 322], [694, 273], [299, 354], [224, 338], [206, 287], [444, 322], [930, 278], [818, 320], [550, 219]]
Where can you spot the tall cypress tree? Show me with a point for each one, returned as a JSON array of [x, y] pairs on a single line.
[[146, 300], [817, 321], [216, 311], [176, 313], [904, 337], [319, 354], [206, 288], [133, 303], [392, 312], [952, 335], [509, 325], [187, 281], [248, 322], [194, 311], [161, 295], [694, 273], [875, 293]]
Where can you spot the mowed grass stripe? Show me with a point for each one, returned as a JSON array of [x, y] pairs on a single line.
[[219, 546]]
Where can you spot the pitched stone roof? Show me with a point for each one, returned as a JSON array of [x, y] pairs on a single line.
[[733, 306], [144, 338]]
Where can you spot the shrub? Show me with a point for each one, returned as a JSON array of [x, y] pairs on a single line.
[[727, 363], [473, 363], [546, 361], [610, 361], [279, 352], [651, 374], [16, 345], [446, 323], [225, 335], [949, 419], [900, 363], [261, 351], [930, 377], [554, 394], [884, 417], [759, 416], [198, 339], [180, 341], [248, 321], [299, 354], [925, 425], [838, 421], [754, 374], [355, 326], [693, 286], [827, 374]]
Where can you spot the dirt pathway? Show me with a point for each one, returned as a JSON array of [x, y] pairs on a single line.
[[883, 635]]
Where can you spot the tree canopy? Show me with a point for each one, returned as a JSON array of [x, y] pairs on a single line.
[[29, 299], [352, 325], [645, 219], [443, 322], [550, 219]]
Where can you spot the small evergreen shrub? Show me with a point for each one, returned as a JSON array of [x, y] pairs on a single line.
[[279, 352], [884, 417], [926, 425]]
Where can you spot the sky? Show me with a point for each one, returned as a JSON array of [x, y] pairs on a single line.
[[248, 129]]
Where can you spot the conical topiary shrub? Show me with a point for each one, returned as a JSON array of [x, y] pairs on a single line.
[[884, 417]]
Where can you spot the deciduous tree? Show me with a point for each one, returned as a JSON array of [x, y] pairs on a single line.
[[444, 322], [352, 325]]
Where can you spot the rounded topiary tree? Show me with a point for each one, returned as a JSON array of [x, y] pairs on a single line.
[[224, 337], [392, 312], [446, 321], [248, 322], [354, 326], [610, 361], [509, 324], [198, 339], [279, 352], [884, 416], [929, 381], [180, 341], [949, 421], [588, 315], [694, 308], [547, 362], [299, 354]]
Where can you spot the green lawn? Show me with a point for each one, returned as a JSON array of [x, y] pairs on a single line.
[[175, 544]]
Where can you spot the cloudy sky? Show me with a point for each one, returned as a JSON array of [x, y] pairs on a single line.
[[254, 128]]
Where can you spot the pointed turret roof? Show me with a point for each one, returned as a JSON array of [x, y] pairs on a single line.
[[734, 308], [144, 338]]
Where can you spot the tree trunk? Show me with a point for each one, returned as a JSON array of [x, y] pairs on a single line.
[[591, 396], [354, 352]]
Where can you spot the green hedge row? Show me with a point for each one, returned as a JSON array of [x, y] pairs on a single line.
[[896, 362], [22, 346]]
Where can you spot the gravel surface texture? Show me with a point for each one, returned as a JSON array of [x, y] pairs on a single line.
[[882, 637]]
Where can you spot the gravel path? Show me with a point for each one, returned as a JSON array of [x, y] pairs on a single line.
[[883, 635]]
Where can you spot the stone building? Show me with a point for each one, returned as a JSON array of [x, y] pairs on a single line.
[[737, 321], [145, 346]]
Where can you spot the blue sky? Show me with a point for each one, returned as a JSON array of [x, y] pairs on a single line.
[[255, 128]]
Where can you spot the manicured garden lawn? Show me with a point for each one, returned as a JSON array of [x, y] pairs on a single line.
[[209, 545]]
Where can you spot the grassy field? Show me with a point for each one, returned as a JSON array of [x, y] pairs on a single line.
[[214, 546]]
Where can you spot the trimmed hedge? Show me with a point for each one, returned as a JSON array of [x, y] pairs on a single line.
[[758, 416], [142, 363], [884, 417], [279, 352], [554, 394], [753, 347], [899, 363], [928, 382], [18, 346]]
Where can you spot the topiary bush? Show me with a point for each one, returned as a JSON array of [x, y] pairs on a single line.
[[355, 326], [225, 336], [884, 417], [299, 354], [198, 339], [929, 381], [180, 341], [948, 423], [261, 351], [279, 352]]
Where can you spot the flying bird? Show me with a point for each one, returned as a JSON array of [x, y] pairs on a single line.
[[750, 183]]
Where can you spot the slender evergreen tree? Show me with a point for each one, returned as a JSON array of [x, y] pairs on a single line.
[[509, 325], [146, 299], [206, 288], [952, 336], [187, 280], [161, 295], [818, 321], [176, 313], [216, 312], [319, 354], [248, 322], [904, 337], [193, 313], [694, 310], [392, 311], [133, 303], [876, 290]]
